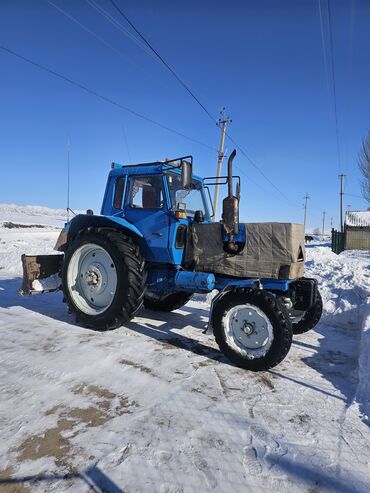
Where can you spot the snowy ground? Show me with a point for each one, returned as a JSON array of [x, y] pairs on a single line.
[[153, 406]]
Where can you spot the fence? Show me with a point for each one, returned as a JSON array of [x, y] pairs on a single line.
[[337, 241], [357, 239], [352, 239]]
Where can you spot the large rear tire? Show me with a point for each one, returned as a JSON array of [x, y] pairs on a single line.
[[252, 329], [103, 279], [168, 302]]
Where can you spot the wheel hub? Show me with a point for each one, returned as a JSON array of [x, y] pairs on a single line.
[[249, 329], [93, 278]]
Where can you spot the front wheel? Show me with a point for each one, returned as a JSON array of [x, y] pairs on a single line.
[[252, 329], [103, 279]]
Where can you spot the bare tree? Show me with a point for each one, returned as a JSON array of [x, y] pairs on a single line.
[[364, 165]]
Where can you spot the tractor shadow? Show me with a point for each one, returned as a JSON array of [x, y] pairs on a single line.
[[165, 328], [162, 327], [335, 357], [50, 304], [93, 477]]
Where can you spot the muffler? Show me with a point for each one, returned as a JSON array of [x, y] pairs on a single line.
[[230, 208]]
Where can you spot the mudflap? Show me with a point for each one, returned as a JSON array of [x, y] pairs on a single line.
[[41, 273]]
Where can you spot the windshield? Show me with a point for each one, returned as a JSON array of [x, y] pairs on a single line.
[[187, 200]]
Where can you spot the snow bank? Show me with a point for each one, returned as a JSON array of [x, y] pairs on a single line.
[[363, 391], [30, 210], [29, 214], [344, 283]]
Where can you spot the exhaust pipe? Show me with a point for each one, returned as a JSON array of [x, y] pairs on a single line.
[[230, 173], [230, 208]]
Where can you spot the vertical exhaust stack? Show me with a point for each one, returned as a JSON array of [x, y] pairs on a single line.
[[230, 209]]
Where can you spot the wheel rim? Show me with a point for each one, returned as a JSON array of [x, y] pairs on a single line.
[[248, 330], [91, 279]]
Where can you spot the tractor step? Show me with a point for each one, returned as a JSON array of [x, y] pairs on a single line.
[[41, 273]]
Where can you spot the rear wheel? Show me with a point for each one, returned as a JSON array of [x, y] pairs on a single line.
[[103, 279], [252, 329], [310, 318], [168, 302]]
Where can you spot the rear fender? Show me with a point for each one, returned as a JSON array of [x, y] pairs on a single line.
[[88, 222], [248, 284]]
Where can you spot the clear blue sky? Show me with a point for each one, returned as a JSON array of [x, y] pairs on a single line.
[[263, 60]]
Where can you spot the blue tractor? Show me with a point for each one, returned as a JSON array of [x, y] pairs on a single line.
[[155, 244]]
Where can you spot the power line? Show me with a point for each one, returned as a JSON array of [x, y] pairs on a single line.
[[332, 72], [185, 86], [163, 61], [353, 195], [106, 99], [254, 164], [102, 97], [334, 86], [119, 26], [104, 42], [73, 19], [324, 49]]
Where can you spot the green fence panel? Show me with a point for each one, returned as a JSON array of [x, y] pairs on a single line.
[[337, 241]]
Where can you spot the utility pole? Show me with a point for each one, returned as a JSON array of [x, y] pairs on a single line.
[[349, 207], [323, 222], [222, 123], [331, 223], [305, 198], [341, 193]]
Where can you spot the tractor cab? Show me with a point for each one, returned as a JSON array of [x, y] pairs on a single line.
[[160, 199]]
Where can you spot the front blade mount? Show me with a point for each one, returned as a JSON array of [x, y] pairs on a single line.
[[41, 273]]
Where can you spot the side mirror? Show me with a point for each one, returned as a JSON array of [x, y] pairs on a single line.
[[186, 174]]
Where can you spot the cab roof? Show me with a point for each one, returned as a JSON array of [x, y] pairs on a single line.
[[157, 167]]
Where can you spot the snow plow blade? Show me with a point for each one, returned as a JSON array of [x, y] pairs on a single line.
[[41, 273]]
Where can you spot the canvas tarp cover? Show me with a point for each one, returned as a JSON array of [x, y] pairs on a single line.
[[272, 250]]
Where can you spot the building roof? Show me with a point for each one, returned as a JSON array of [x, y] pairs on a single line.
[[357, 218]]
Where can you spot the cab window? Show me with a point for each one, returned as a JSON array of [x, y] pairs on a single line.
[[188, 200], [118, 192], [146, 192]]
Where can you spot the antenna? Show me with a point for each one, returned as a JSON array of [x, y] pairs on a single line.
[[68, 153], [305, 198]]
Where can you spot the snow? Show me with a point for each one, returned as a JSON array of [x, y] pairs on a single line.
[[52, 282], [31, 214], [357, 218], [154, 406], [363, 391]]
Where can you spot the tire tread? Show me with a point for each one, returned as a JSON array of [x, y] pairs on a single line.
[[134, 270]]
